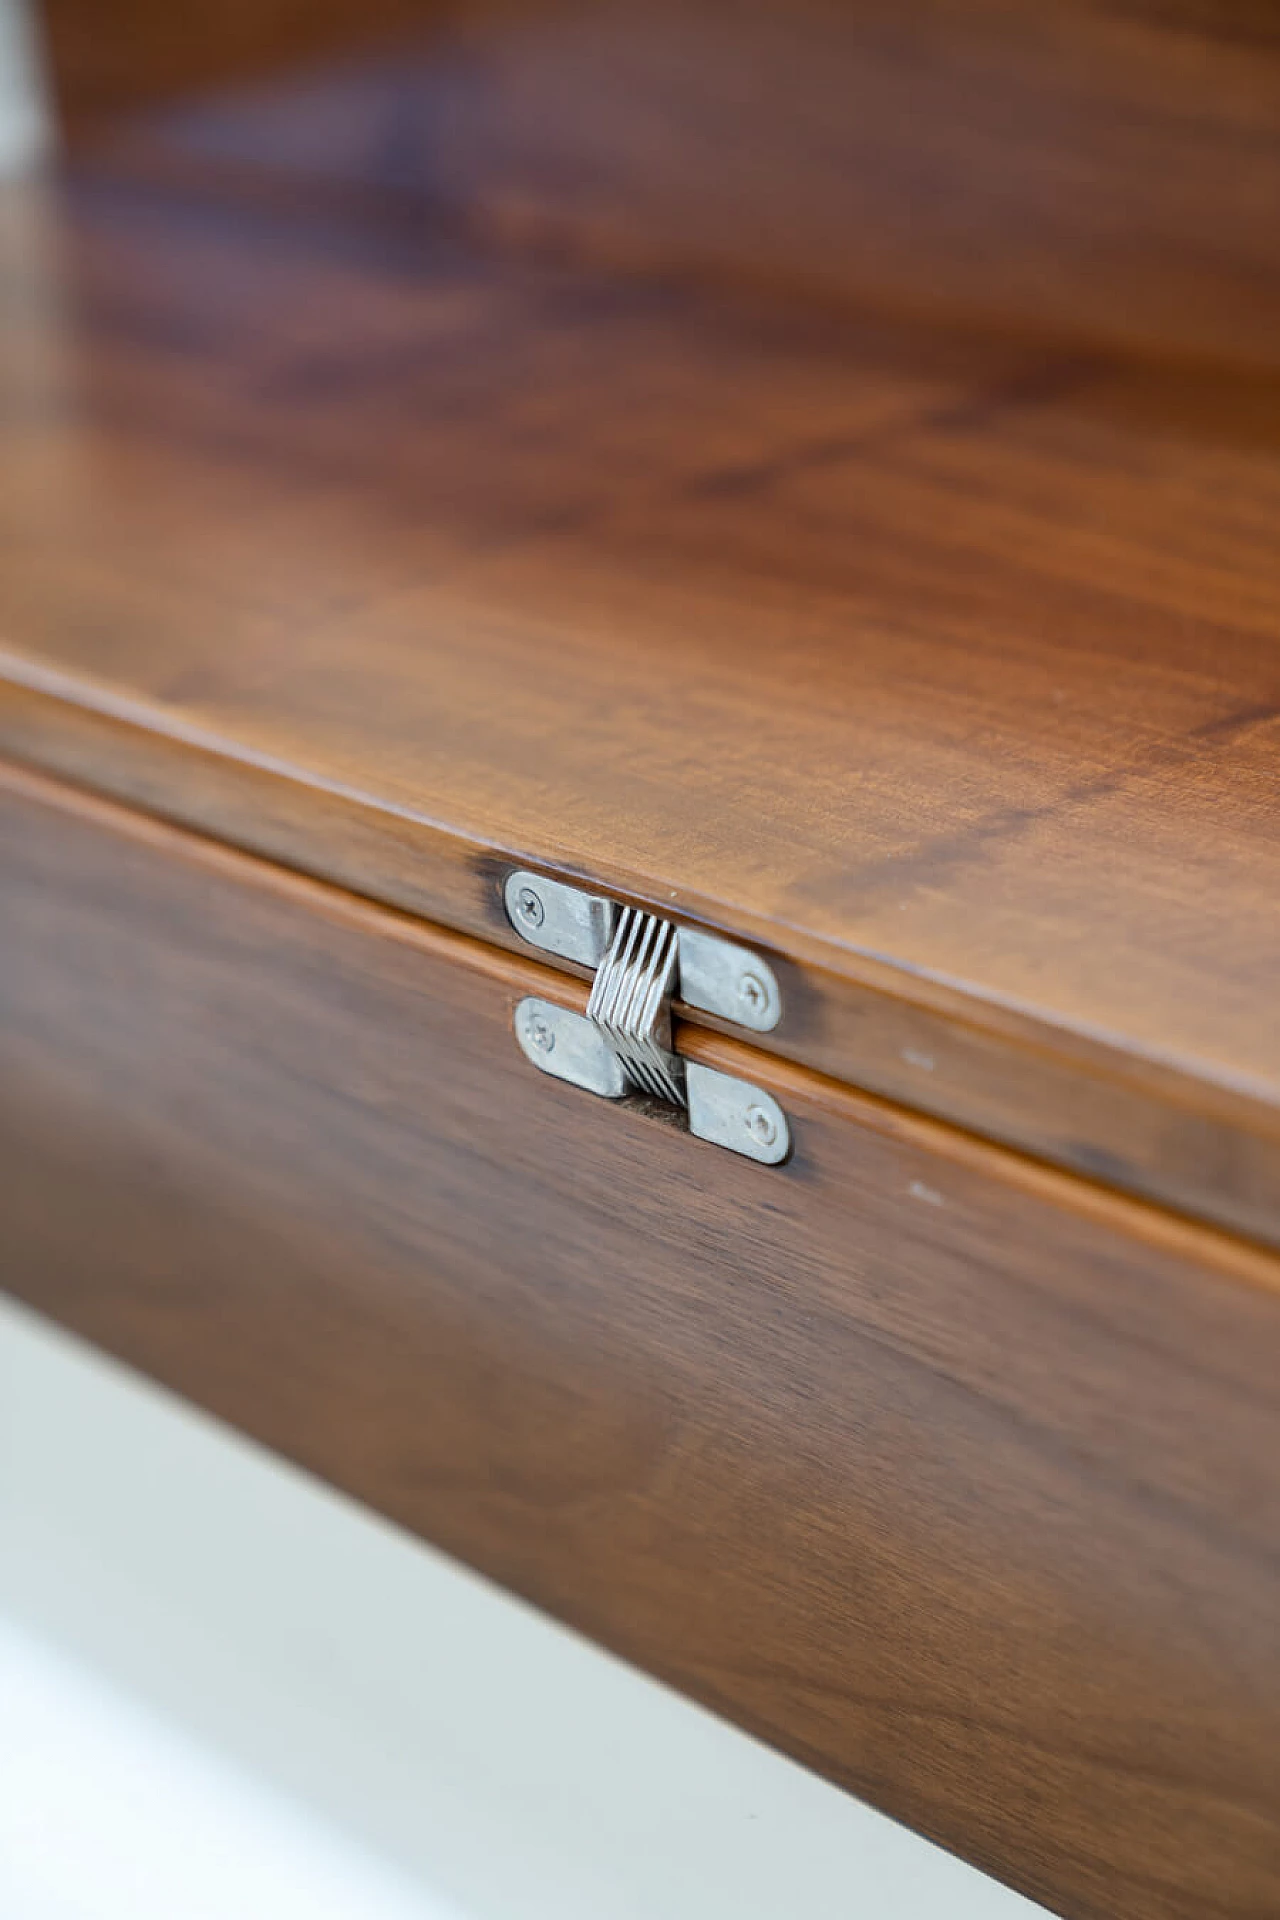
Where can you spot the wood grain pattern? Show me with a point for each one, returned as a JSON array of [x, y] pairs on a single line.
[[1072, 168], [944, 666], [951, 1475]]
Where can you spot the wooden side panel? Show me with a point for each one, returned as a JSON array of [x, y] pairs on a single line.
[[954, 1477]]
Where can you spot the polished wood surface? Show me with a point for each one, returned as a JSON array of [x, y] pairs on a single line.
[[951, 1475], [942, 664], [1067, 168]]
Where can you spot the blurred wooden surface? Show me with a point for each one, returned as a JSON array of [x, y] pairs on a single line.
[[953, 1477], [942, 664], [106, 57], [1059, 168]]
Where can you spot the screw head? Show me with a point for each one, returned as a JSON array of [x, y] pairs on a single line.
[[753, 993], [761, 1126], [540, 1034], [530, 908]]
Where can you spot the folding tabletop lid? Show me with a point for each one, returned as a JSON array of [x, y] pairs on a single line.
[[941, 666]]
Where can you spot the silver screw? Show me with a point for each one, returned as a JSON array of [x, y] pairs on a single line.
[[761, 1126], [753, 993], [530, 908], [540, 1035]]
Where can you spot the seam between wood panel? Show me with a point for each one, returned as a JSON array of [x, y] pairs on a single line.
[[1210, 1247], [401, 862], [252, 869], [1094, 1053]]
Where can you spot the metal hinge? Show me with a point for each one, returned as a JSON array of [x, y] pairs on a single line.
[[622, 1045]]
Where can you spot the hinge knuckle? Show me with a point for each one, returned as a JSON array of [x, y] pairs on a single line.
[[623, 1044], [630, 1003]]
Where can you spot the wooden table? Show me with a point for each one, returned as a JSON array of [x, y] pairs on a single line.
[[423, 471]]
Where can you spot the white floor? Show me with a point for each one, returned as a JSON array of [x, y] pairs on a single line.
[[107, 1809], [226, 1692]]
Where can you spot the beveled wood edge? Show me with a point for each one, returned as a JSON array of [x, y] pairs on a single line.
[[76, 700], [1222, 1255]]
